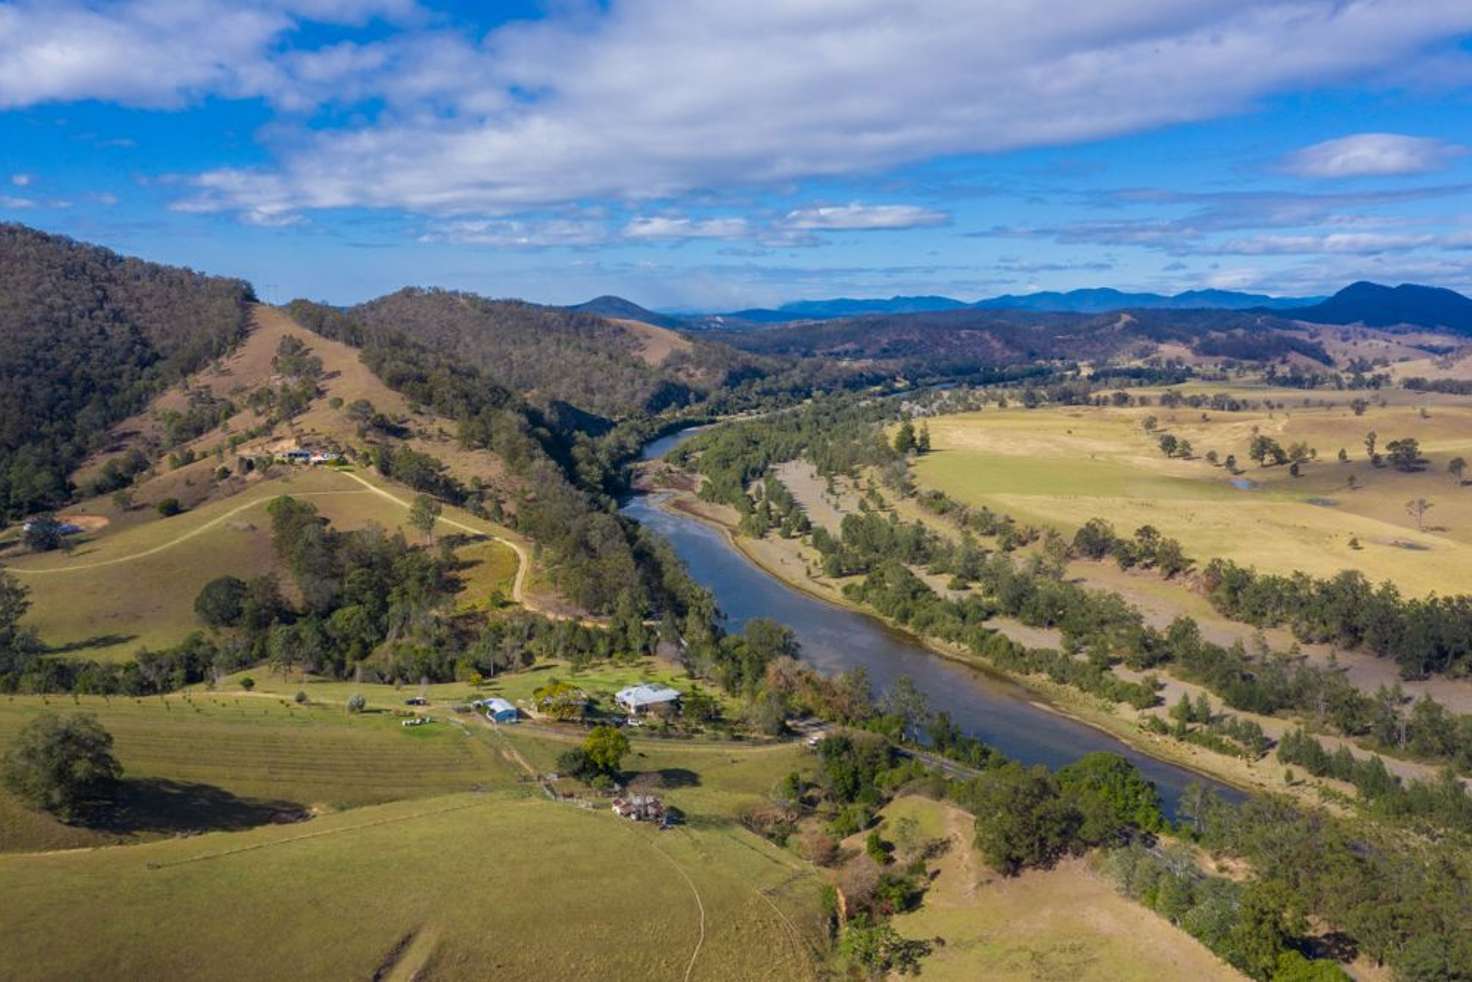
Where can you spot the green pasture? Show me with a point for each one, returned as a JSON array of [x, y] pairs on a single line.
[[205, 759], [120, 591], [465, 886]]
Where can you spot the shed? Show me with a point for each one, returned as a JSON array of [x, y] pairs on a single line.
[[642, 698], [500, 711]]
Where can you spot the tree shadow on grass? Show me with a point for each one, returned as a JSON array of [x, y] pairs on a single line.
[[160, 805], [678, 777], [95, 641]]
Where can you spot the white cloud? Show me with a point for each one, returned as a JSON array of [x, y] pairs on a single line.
[[1372, 155], [21, 180], [661, 227], [861, 217], [512, 234], [1334, 243], [642, 100], [7, 201], [156, 54]]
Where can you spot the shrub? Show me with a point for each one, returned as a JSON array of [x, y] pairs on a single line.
[[169, 507], [356, 703]]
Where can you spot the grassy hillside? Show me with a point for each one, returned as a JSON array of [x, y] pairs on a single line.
[[1063, 923], [427, 853], [134, 585], [580, 894], [227, 759], [1062, 466]]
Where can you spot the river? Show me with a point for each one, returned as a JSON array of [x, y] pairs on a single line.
[[835, 639]]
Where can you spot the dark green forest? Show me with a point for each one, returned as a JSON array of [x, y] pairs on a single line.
[[87, 337]]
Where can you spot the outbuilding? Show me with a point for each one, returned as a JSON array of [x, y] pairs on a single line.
[[646, 697], [500, 711]]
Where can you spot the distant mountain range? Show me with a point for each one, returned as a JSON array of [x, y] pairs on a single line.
[[1104, 299], [1362, 302]]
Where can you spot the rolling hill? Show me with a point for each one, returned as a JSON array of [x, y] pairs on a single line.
[[88, 337], [1383, 306], [960, 342], [617, 308]]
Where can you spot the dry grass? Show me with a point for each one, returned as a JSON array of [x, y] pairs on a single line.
[[656, 344], [1064, 923], [1063, 466]]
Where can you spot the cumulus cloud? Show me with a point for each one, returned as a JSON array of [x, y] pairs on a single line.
[[864, 217], [21, 180], [1372, 155], [156, 54], [642, 100]]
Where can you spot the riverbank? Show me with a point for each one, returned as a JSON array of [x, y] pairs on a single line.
[[786, 562]]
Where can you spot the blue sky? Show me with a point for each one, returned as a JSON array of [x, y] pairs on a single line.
[[712, 155]]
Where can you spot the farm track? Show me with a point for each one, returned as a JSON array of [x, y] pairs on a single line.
[[165, 546], [518, 586]]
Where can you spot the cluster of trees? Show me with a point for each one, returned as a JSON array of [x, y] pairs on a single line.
[[1398, 900], [1148, 549], [1248, 925], [1424, 636], [1442, 802], [87, 337], [775, 508]]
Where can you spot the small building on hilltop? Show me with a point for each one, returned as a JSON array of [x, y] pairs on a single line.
[[648, 697]]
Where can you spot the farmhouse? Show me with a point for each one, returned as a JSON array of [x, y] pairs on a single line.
[[640, 808], [647, 697], [299, 455], [499, 710]]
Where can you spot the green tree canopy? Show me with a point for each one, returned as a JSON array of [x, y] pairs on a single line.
[[606, 748], [61, 764], [221, 601], [1111, 795]]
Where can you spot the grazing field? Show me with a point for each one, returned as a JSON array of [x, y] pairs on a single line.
[[1061, 466], [135, 587], [599, 681], [465, 886], [227, 760], [1063, 923]]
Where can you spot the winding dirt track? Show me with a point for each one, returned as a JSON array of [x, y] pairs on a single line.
[[518, 585]]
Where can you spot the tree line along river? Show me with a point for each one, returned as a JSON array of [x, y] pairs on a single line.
[[835, 640]]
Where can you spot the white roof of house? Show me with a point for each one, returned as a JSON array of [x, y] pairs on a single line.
[[498, 705], [647, 695]]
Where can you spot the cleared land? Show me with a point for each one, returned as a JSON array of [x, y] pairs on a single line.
[[135, 587], [519, 888], [429, 853], [1062, 466], [1063, 923], [230, 760]]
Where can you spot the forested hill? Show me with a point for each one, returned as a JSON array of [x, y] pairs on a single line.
[[953, 342], [1385, 306], [86, 338], [552, 354]]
